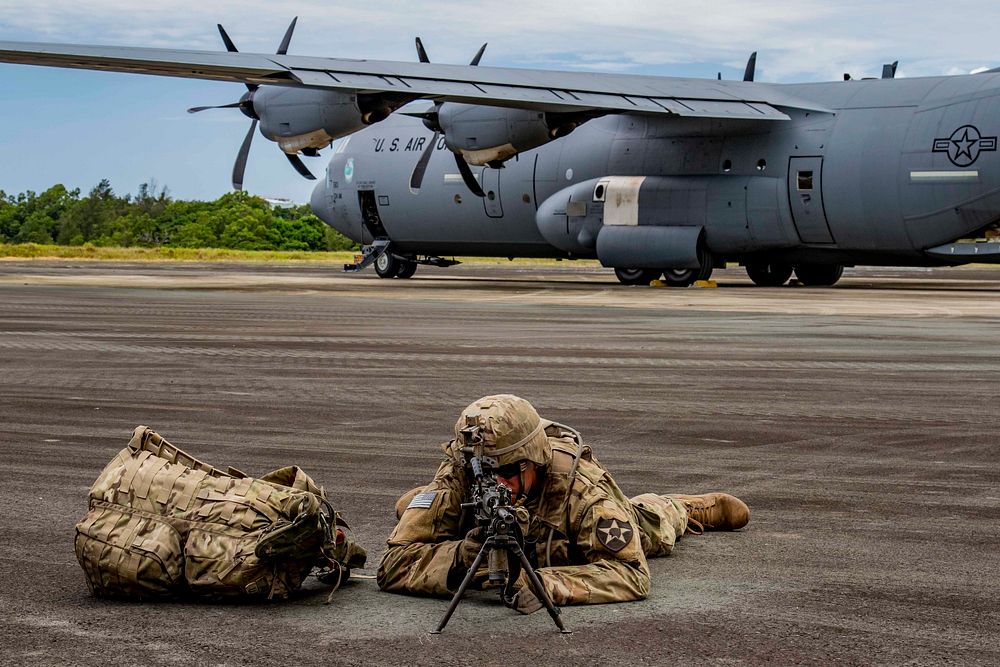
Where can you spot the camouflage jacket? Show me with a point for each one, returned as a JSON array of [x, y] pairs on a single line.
[[596, 552]]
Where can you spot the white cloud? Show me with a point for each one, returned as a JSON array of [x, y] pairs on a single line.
[[809, 39], [79, 127]]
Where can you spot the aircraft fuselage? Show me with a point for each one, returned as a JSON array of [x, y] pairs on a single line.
[[888, 170]]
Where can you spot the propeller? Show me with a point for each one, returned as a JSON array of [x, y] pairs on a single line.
[[751, 69], [246, 106], [430, 118]]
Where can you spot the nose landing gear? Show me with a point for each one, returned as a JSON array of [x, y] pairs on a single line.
[[390, 265]]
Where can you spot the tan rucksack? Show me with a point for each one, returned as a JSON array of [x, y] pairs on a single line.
[[162, 525]]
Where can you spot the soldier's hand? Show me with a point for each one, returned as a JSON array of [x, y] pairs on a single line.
[[525, 601], [471, 545]]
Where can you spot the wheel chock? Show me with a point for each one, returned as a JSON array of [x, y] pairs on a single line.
[[706, 284]]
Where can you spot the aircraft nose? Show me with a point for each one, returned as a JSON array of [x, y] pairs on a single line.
[[322, 204]]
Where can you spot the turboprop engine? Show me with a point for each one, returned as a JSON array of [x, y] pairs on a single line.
[[302, 119], [492, 135]]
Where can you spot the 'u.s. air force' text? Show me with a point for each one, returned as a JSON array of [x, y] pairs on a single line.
[[396, 144]]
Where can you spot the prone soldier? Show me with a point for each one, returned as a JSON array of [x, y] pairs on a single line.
[[588, 540]]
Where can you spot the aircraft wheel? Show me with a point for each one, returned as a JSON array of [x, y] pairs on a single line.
[[769, 275], [687, 277], [387, 266], [819, 275], [636, 276], [407, 268]]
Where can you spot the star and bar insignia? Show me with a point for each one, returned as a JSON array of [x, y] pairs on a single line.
[[613, 534], [965, 145]]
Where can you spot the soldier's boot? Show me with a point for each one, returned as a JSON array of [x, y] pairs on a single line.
[[714, 511]]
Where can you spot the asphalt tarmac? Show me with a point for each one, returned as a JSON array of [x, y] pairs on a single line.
[[860, 424]]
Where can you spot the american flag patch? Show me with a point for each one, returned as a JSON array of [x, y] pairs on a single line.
[[422, 500]]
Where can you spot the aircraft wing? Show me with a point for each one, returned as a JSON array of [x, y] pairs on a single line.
[[544, 90]]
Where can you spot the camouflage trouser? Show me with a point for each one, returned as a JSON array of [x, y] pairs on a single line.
[[662, 521]]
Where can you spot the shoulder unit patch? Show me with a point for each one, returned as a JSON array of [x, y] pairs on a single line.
[[613, 534]]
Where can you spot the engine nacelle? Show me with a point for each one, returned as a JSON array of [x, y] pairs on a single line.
[[300, 119], [490, 135]]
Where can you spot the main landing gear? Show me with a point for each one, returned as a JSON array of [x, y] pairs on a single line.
[[769, 274], [819, 275], [672, 277], [811, 275]]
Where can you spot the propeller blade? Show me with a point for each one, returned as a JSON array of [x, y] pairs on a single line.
[[300, 167], [234, 105], [226, 40], [417, 177], [287, 39], [240, 167], [468, 176], [231, 47], [421, 52], [751, 69], [479, 55]]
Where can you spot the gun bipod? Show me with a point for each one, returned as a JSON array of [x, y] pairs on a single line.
[[510, 546]]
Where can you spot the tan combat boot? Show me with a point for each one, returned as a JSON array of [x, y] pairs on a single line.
[[714, 511]]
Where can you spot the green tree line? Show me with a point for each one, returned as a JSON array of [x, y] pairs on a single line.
[[152, 217]]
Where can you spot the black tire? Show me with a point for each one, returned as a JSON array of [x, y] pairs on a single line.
[[688, 277], [407, 268], [636, 276], [769, 275], [387, 266], [819, 275]]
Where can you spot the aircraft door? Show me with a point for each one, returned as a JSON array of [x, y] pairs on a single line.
[[490, 180], [805, 195], [371, 221]]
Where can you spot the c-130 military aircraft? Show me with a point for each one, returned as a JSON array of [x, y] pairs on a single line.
[[652, 176]]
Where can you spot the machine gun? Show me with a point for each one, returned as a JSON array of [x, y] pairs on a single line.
[[503, 549]]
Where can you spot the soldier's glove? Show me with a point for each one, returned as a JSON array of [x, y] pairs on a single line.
[[525, 601], [470, 547]]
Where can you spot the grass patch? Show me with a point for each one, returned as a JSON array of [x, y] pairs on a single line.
[[35, 251], [163, 254]]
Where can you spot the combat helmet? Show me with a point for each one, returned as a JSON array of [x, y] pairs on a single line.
[[509, 428]]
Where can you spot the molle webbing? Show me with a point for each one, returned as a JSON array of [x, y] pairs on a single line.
[[163, 524], [146, 439]]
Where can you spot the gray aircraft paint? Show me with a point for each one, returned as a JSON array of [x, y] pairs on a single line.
[[890, 171], [866, 206]]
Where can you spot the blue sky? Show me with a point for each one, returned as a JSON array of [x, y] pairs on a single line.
[[76, 127]]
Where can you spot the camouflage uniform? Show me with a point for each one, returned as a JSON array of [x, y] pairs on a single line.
[[592, 549]]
